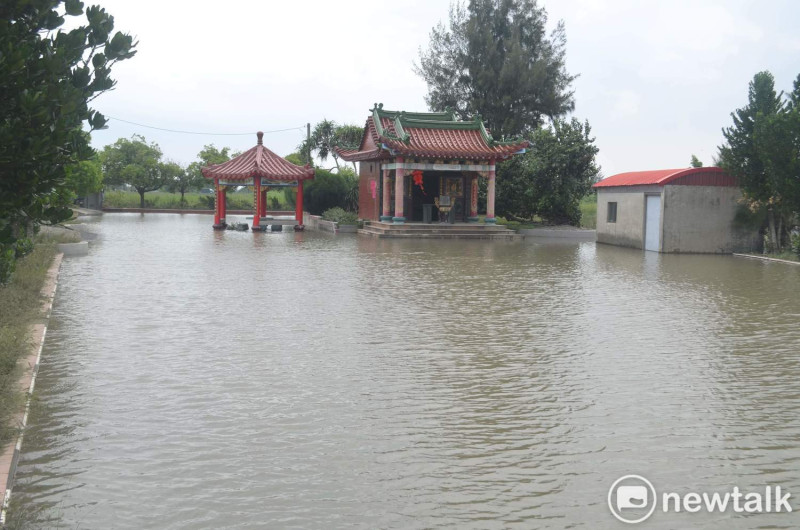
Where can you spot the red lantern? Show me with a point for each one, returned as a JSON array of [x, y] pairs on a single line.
[[417, 179]]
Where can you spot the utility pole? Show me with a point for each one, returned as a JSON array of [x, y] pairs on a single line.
[[308, 143]]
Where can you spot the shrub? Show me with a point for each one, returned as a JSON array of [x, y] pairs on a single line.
[[24, 246], [327, 190], [339, 215], [796, 243]]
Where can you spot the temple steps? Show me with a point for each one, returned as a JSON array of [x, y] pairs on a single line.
[[437, 231]]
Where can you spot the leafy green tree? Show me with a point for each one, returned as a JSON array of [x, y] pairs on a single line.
[[696, 162], [496, 59], [85, 177], [178, 179], [326, 135], [777, 140], [552, 177], [136, 163], [761, 167], [48, 77], [327, 190], [208, 156]]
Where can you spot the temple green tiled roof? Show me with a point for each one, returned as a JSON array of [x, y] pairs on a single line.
[[428, 134]]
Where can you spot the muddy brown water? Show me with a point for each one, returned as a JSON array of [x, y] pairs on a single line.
[[200, 379]]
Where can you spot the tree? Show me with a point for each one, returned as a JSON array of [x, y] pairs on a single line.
[[48, 77], [552, 177], [136, 163], [84, 178], [327, 190], [696, 162], [760, 167], [777, 140], [326, 135], [210, 155], [178, 179], [495, 59]]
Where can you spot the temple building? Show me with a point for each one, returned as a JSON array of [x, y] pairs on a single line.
[[425, 166]]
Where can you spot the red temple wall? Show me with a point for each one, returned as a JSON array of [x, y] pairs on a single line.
[[369, 205]]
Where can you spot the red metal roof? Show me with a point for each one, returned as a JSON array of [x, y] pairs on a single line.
[[694, 176], [430, 135], [258, 162]]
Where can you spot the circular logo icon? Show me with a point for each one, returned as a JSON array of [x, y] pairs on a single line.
[[632, 499]]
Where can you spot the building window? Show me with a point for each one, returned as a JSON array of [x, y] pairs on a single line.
[[612, 212]]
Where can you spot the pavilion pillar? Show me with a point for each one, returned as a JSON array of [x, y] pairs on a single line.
[[223, 205], [263, 211], [473, 200], [386, 212], [298, 206], [490, 219], [399, 191], [217, 217], [257, 204]]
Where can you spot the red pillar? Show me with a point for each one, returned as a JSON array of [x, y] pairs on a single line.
[[473, 200], [298, 207], [399, 191], [264, 202], [257, 205], [216, 204], [386, 214], [223, 204], [490, 195]]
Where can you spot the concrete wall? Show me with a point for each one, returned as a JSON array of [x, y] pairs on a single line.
[[701, 219], [628, 231], [369, 207]]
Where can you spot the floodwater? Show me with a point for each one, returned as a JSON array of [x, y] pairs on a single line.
[[200, 379]]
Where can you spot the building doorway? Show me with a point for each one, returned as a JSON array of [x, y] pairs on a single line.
[[426, 194]]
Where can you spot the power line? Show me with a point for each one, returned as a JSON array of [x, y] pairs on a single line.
[[203, 133]]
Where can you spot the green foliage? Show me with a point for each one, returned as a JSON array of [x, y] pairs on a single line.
[[328, 134], [496, 59], [136, 163], [796, 243], [552, 177], [326, 191], [23, 247], [210, 155], [193, 176], [339, 215], [192, 201], [762, 150], [84, 177], [749, 216], [588, 208], [696, 162], [296, 159], [351, 195], [20, 306], [48, 76], [179, 179]]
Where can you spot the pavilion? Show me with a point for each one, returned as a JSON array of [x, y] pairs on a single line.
[[443, 156], [261, 168]]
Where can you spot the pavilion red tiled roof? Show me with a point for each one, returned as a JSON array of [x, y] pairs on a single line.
[[699, 176], [430, 135], [258, 162]]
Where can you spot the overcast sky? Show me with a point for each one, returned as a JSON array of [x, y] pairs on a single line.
[[658, 80]]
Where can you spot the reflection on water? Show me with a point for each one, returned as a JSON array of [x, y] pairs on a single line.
[[200, 379]]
